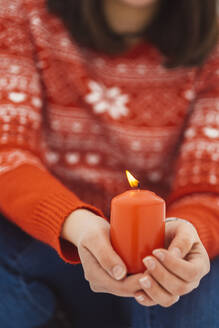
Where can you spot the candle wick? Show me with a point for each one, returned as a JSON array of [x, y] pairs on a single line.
[[139, 185]]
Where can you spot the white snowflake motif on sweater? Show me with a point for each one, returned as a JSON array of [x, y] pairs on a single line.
[[109, 100]]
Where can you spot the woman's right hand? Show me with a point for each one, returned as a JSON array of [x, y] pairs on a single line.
[[103, 268]]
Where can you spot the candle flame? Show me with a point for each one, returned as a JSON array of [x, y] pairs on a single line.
[[131, 179]]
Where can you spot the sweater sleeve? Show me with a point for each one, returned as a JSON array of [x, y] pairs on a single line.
[[30, 196], [195, 184]]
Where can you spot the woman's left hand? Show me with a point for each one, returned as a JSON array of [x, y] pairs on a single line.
[[176, 270]]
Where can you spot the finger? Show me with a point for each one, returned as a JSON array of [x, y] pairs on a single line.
[[182, 242], [98, 278], [102, 281], [103, 251], [91, 267], [187, 270], [170, 282], [156, 292], [144, 299]]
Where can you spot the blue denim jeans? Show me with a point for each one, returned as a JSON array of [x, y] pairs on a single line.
[[198, 309], [33, 280]]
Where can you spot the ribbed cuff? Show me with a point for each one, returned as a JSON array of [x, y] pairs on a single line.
[[191, 189], [49, 217]]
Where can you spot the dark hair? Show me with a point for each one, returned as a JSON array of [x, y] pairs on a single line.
[[184, 31]]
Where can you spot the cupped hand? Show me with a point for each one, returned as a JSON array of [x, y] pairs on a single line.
[[103, 268], [175, 270]]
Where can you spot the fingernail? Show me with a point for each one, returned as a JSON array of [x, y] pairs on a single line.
[[160, 255], [145, 282], [175, 251], [118, 272], [150, 264], [140, 298]]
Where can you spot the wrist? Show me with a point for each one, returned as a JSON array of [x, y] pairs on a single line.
[[72, 223]]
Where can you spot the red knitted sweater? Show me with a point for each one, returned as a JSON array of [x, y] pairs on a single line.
[[72, 120]]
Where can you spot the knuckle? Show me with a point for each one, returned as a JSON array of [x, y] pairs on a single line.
[[197, 283], [89, 276], [124, 291], [86, 277], [181, 289], [187, 288], [145, 301], [148, 303], [95, 288], [194, 274], [185, 242], [170, 301], [167, 304], [208, 267], [151, 303]]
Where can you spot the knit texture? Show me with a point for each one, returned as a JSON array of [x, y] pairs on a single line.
[[73, 120]]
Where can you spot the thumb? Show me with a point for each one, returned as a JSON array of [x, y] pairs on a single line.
[[182, 243], [109, 260]]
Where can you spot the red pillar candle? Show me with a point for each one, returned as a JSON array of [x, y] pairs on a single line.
[[137, 225]]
